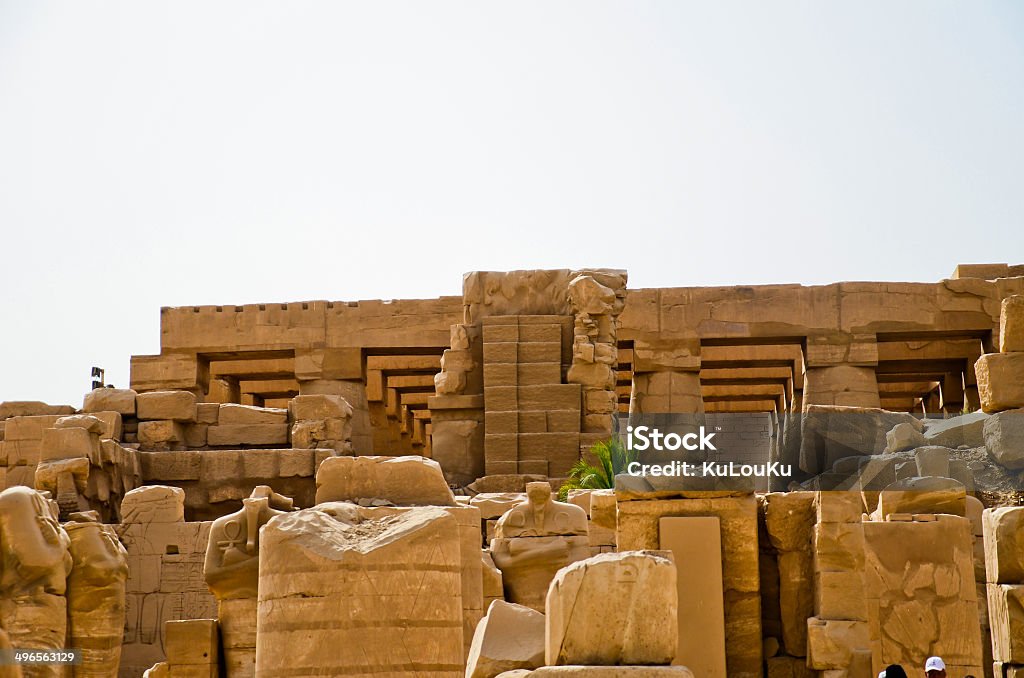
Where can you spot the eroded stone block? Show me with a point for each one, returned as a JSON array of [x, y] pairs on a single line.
[[1000, 381], [403, 481], [508, 637], [615, 608]]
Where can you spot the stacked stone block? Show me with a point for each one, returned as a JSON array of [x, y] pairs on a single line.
[[532, 419], [838, 635], [1001, 375], [1004, 569], [789, 524], [193, 648]]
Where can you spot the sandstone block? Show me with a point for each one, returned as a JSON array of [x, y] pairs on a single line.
[[191, 641], [170, 466], [796, 599], [508, 637], [495, 504], [614, 608], [68, 443], [247, 434], [232, 414], [176, 405], [1004, 544], [160, 431], [404, 481], [840, 595], [967, 429], [932, 461], [603, 509], [396, 571], [831, 644], [319, 407], [207, 413], [1000, 381], [153, 504], [923, 495], [1011, 324], [1004, 437], [903, 436], [838, 506], [32, 408], [789, 517], [89, 422], [120, 400], [838, 546], [1006, 617]]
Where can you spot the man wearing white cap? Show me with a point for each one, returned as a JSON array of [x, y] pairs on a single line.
[[935, 668]]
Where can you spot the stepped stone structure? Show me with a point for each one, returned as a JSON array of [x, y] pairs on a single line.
[[449, 487]]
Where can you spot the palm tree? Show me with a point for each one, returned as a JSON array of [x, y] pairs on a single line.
[[612, 459]]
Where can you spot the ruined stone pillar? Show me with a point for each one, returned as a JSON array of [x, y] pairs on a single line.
[[840, 370], [666, 386], [597, 299], [338, 371], [96, 595], [457, 409]]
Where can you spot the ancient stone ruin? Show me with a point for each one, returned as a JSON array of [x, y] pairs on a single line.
[[456, 487]]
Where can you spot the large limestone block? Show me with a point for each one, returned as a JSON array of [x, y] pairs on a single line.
[[789, 517], [796, 599], [231, 413], [1004, 437], [967, 429], [176, 405], [841, 385], [614, 608], [403, 481], [191, 642], [247, 434], [927, 494], [303, 407], [508, 637], [160, 432], [32, 408], [831, 644], [840, 595], [120, 400], [1004, 544], [153, 504], [902, 437], [840, 506], [1006, 617], [920, 585], [495, 504], [932, 461], [1011, 324], [330, 573], [69, 443], [1000, 381]]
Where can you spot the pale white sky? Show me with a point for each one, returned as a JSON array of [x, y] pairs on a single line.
[[179, 153]]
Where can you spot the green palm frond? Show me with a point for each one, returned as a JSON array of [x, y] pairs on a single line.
[[612, 458]]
